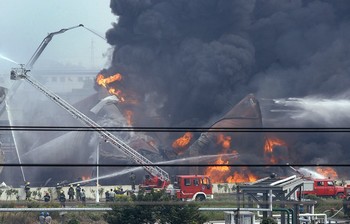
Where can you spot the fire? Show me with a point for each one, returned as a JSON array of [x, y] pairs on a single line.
[[224, 141], [220, 174], [102, 81], [243, 176], [182, 142], [270, 143], [85, 177], [128, 115], [327, 172]]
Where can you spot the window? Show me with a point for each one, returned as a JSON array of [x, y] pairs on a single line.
[[187, 182], [320, 183], [195, 182], [330, 183], [206, 180]]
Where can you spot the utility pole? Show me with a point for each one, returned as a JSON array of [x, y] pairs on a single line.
[[97, 171]]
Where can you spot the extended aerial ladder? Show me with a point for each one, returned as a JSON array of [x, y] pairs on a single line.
[[155, 171], [35, 57]]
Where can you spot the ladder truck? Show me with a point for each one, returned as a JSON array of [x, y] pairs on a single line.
[[185, 187]]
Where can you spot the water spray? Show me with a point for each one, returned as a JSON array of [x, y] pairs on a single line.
[[8, 59], [315, 108], [125, 171]]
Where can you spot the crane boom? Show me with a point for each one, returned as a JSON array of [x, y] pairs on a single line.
[[21, 73], [44, 43], [36, 55]]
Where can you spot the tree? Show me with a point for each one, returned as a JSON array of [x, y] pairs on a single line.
[[152, 207], [269, 220]]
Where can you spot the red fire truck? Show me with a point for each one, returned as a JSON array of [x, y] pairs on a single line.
[[323, 188]]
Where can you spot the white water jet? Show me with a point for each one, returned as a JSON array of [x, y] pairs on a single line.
[[310, 173], [331, 111], [125, 171], [14, 138], [8, 59]]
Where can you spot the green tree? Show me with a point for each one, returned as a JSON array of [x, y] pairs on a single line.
[[155, 206], [269, 220]]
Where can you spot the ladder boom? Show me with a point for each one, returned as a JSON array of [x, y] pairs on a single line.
[[112, 139]]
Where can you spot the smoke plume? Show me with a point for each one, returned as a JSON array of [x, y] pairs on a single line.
[[189, 61]]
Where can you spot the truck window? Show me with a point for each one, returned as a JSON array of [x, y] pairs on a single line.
[[187, 182], [330, 183], [195, 182], [206, 181], [320, 183]]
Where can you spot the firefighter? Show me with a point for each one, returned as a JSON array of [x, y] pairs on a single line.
[[48, 218], [107, 195], [111, 195], [47, 197], [71, 193], [58, 190], [42, 218], [27, 190], [83, 196], [132, 180], [62, 199], [346, 206], [78, 192]]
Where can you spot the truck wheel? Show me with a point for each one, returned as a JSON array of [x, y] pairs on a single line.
[[340, 195], [200, 197]]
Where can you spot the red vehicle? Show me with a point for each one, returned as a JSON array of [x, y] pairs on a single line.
[[193, 187], [323, 188], [185, 187]]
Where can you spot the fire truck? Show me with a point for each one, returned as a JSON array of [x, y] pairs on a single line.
[[185, 187], [323, 188]]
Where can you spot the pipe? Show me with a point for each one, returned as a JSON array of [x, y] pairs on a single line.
[[284, 210], [292, 212], [315, 215], [288, 211], [270, 200], [234, 209], [283, 180]]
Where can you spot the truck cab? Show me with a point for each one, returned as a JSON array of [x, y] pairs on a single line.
[[193, 187]]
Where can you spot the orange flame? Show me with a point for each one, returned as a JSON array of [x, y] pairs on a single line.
[[128, 115], [102, 81], [327, 172], [85, 177], [182, 141], [219, 174], [243, 176], [224, 141], [270, 143]]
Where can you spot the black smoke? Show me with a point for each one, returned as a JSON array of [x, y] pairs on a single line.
[[185, 58], [189, 61]]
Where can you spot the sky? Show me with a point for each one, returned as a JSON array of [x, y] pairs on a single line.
[[24, 24]]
